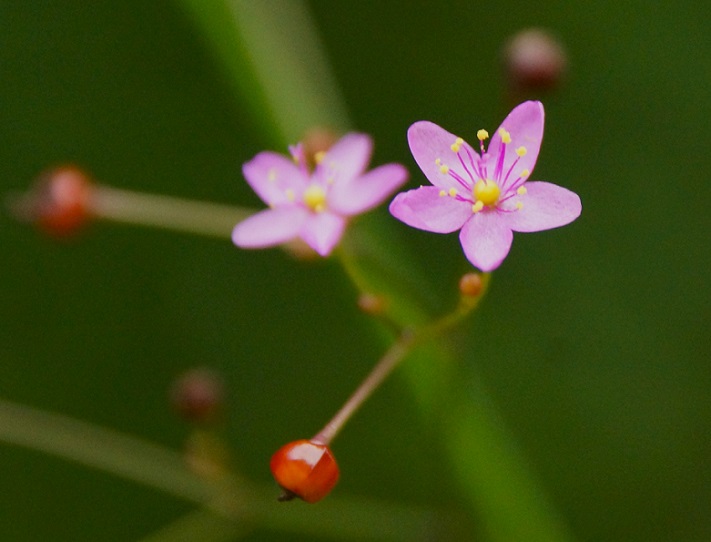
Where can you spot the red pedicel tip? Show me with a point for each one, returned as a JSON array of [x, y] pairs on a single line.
[[59, 202]]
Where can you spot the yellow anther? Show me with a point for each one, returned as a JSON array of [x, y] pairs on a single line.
[[457, 144], [438, 161], [319, 156], [505, 136], [521, 151], [452, 192], [478, 206], [487, 192], [482, 135], [444, 169], [315, 198], [521, 190], [519, 205], [290, 194], [525, 173], [271, 176], [442, 193]]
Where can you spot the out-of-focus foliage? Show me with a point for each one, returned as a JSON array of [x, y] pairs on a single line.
[[593, 340]]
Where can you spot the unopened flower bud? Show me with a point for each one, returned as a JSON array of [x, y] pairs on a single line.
[[304, 469], [470, 285], [59, 201], [198, 396], [316, 142], [534, 61], [298, 249], [372, 304]]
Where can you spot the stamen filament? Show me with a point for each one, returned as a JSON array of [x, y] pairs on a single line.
[[461, 161], [509, 171], [459, 179], [500, 163]]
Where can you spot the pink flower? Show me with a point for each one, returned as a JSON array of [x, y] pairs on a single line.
[[487, 197], [314, 205]]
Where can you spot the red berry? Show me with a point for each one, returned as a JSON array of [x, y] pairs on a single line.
[[305, 469]]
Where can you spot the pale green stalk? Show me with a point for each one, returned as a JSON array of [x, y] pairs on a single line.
[[166, 212], [228, 498]]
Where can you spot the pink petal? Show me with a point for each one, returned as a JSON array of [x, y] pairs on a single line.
[[346, 159], [366, 191], [425, 209], [269, 228], [525, 125], [270, 175], [429, 143], [486, 240], [322, 231], [545, 206]]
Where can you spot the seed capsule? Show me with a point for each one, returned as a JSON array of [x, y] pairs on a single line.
[[304, 469]]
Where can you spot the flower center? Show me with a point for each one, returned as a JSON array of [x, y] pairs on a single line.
[[487, 192], [315, 198]]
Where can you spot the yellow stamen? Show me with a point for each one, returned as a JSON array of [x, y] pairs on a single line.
[[319, 156], [521, 151], [521, 190], [444, 169], [452, 192], [315, 198], [487, 192], [271, 176], [525, 173], [478, 206], [505, 136], [457, 144], [519, 205], [442, 193], [482, 135]]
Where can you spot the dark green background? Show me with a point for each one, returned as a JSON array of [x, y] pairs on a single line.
[[594, 339]]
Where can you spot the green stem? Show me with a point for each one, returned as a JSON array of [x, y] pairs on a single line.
[[159, 211], [203, 525], [260, 45], [398, 351]]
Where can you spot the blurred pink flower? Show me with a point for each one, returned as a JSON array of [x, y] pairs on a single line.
[[314, 205], [487, 197]]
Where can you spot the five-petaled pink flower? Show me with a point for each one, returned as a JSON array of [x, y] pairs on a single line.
[[487, 196], [314, 205]]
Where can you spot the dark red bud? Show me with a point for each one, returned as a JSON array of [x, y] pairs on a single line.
[[534, 61], [198, 396]]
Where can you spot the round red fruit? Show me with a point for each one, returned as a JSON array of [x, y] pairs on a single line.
[[305, 469]]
